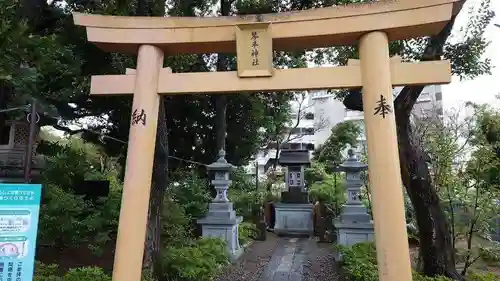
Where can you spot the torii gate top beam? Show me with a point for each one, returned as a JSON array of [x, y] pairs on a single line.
[[323, 27]]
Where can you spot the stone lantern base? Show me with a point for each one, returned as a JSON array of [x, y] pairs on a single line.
[[224, 225], [294, 219], [350, 233]]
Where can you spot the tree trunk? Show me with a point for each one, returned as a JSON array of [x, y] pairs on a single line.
[[436, 246], [221, 100], [152, 252], [220, 120], [5, 95]]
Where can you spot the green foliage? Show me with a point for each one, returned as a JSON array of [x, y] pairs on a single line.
[[67, 220], [247, 232], [199, 261], [474, 276], [464, 163], [190, 191], [32, 61], [360, 264], [490, 254], [325, 187], [176, 223], [71, 160], [46, 272], [86, 274], [50, 272], [241, 180], [247, 203], [342, 135]]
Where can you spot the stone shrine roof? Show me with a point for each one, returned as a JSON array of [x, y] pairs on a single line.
[[294, 157]]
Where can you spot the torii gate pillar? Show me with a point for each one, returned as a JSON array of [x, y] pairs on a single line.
[[383, 159], [140, 155]]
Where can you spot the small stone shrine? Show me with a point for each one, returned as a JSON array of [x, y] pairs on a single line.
[[355, 224], [221, 220], [13, 144], [294, 212]]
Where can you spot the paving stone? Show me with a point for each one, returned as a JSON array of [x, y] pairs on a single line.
[[284, 259]]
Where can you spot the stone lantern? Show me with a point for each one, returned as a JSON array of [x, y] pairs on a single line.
[[355, 224], [294, 212], [221, 220], [13, 145]]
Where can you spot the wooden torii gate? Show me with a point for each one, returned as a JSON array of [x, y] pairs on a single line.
[[253, 38]]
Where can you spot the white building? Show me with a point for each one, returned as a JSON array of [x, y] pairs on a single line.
[[431, 99], [320, 112]]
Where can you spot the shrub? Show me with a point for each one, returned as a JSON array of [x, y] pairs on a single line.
[[247, 232], [190, 191], [176, 225], [483, 277], [242, 181], [247, 203], [67, 220], [490, 254], [46, 272], [86, 274], [325, 187], [360, 264], [200, 261]]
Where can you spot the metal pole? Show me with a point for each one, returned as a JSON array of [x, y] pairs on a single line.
[[28, 157]]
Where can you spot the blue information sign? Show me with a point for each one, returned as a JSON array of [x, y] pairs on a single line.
[[19, 208]]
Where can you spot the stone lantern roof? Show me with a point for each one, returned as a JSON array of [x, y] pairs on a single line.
[[352, 164], [221, 164]]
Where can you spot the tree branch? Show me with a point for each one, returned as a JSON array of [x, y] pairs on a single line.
[[433, 51]]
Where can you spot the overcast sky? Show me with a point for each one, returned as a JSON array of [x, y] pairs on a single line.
[[484, 88]]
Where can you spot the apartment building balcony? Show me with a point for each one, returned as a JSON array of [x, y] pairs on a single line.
[[353, 115]]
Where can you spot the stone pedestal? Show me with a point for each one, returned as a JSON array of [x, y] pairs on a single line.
[[225, 229], [350, 233], [355, 225], [294, 219], [221, 220]]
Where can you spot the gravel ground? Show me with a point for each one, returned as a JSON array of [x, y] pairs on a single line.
[[252, 262], [320, 264]]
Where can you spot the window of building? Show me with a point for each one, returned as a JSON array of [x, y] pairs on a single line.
[[439, 111], [310, 146], [309, 116], [439, 96], [285, 146], [308, 131], [295, 146]]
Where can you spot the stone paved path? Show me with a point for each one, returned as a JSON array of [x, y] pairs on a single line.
[[284, 259]]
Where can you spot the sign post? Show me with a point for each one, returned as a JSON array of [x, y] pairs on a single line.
[[19, 209]]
